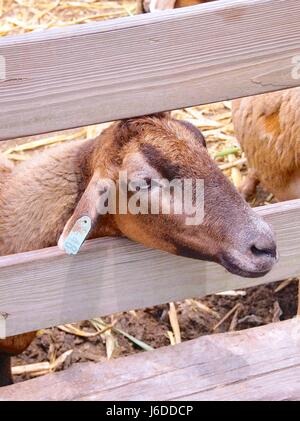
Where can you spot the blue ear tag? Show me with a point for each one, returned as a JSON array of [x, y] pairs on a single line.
[[77, 235]]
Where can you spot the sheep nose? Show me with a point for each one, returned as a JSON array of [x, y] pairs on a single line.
[[264, 248]]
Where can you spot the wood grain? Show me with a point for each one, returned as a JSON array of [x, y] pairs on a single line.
[[48, 288], [86, 74], [256, 364]]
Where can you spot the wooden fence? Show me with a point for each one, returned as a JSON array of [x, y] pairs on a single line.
[[94, 73]]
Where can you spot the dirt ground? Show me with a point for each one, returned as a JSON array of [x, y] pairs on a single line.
[[259, 306]]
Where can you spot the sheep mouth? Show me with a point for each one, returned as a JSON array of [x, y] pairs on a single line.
[[239, 271], [242, 270], [230, 263]]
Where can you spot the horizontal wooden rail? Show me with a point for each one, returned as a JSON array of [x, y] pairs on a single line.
[[256, 364], [86, 74], [47, 287]]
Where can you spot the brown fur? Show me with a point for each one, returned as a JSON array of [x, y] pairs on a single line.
[[8, 347], [268, 129], [44, 196], [185, 3]]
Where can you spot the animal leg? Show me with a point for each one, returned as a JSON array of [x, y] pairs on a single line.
[[5, 370], [248, 187]]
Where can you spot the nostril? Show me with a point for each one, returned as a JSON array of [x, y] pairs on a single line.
[[260, 252]]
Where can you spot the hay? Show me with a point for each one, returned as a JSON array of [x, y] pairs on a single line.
[[20, 16]]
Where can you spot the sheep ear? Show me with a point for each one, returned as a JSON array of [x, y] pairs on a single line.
[[84, 216]]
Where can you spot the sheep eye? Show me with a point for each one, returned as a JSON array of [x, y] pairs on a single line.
[[142, 184], [148, 183]]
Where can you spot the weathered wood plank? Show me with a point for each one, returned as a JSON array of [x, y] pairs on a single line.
[[99, 72], [47, 287], [256, 364]]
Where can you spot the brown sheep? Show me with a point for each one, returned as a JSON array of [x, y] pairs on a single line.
[[268, 129], [46, 195]]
